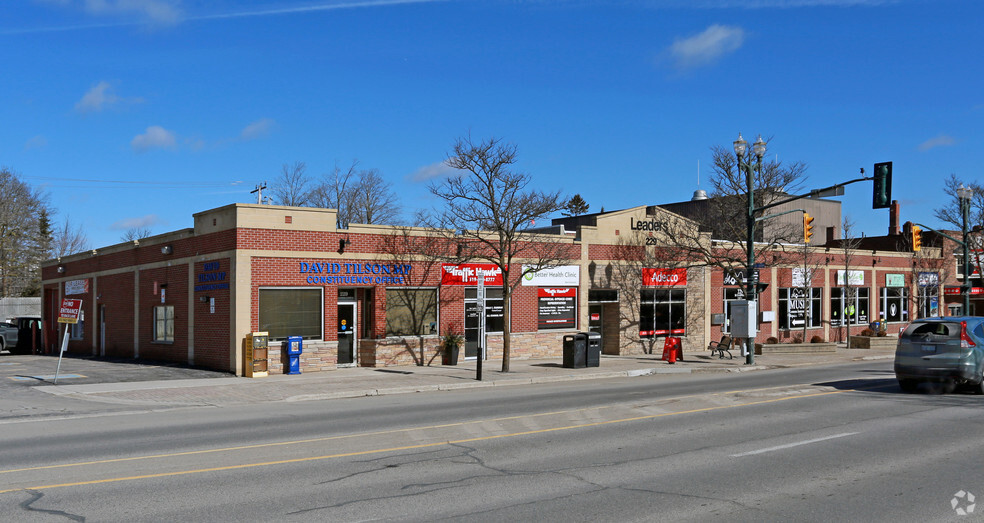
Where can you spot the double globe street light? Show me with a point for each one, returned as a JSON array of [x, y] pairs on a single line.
[[749, 168]]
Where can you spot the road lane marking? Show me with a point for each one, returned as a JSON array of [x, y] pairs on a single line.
[[390, 449], [791, 445]]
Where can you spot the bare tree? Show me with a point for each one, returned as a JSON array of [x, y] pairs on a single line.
[[20, 254], [335, 191], [489, 206], [725, 214], [69, 239], [291, 188], [135, 233], [849, 245], [372, 200], [950, 214], [416, 301]]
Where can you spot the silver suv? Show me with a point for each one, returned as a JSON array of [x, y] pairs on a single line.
[[949, 350]]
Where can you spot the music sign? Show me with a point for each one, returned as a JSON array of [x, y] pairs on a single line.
[[69, 311]]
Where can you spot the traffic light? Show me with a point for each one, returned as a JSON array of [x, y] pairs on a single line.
[[807, 227], [916, 238], [881, 197]]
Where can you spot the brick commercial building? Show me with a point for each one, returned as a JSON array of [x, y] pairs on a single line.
[[372, 295]]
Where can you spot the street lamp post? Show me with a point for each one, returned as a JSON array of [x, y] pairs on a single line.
[[758, 151], [964, 194]]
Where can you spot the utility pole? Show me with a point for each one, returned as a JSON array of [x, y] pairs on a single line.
[[259, 192]]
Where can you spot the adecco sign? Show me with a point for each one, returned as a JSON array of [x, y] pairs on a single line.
[[664, 277]]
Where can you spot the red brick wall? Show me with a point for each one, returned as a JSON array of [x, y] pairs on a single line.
[[212, 329], [116, 294], [175, 278]]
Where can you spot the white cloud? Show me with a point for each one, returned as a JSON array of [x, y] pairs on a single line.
[[37, 142], [99, 97], [154, 11], [156, 137], [432, 171], [707, 47], [142, 222], [257, 129], [940, 141], [96, 98]]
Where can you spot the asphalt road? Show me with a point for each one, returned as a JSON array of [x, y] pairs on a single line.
[[812, 444]]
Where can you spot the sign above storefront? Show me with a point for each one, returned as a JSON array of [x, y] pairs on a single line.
[[562, 276], [663, 277], [854, 278], [895, 280], [929, 279], [469, 273], [77, 287], [347, 273]]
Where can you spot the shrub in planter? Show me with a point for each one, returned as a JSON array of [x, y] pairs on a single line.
[[772, 340], [816, 339], [882, 334], [867, 332], [797, 339]]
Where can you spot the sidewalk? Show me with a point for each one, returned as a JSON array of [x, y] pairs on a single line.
[[358, 382]]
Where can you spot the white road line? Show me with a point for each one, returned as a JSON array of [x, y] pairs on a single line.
[[790, 445]]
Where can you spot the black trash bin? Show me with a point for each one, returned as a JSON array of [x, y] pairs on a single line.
[[593, 349], [575, 350]]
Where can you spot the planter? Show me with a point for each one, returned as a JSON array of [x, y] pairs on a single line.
[[795, 348], [450, 356], [874, 342]]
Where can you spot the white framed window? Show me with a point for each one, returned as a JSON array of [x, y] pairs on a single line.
[[164, 324]]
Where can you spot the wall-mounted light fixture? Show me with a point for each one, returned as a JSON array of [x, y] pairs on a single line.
[[203, 298], [61, 269], [167, 249], [341, 245]]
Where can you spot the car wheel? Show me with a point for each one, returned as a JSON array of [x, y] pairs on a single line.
[[908, 385]]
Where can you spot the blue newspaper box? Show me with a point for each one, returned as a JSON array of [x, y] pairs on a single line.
[[295, 346]]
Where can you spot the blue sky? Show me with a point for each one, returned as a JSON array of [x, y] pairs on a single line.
[[143, 112]]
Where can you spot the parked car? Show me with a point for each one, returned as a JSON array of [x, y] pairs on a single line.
[[8, 336], [947, 350], [22, 335]]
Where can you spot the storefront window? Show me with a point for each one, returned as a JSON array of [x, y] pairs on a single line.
[[164, 324], [894, 304], [494, 311], [556, 308], [411, 312], [854, 311], [77, 332], [798, 309], [662, 312], [287, 312]]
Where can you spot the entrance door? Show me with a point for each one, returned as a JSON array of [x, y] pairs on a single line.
[[595, 316], [346, 333], [471, 329]]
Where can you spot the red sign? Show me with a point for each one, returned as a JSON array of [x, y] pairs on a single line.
[[468, 274], [555, 292], [69, 311], [664, 277], [955, 291]]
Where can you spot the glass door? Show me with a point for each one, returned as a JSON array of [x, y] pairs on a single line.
[[346, 334]]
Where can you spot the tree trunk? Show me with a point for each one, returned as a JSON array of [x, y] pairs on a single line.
[[506, 327]]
